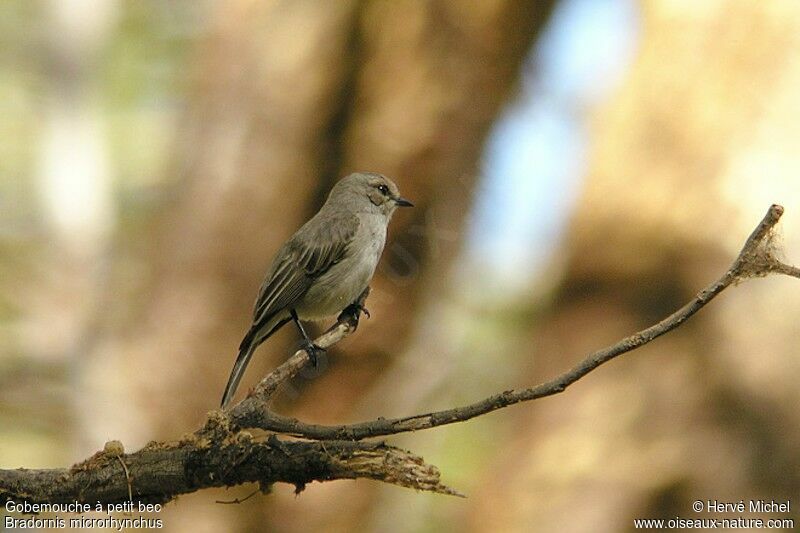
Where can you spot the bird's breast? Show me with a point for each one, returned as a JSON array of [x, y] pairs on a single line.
[[346, 280]]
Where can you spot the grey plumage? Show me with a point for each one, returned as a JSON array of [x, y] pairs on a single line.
[[325, 265]]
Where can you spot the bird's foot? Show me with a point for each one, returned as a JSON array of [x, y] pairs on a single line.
[[314, 352], [353, 312], [359, 308]]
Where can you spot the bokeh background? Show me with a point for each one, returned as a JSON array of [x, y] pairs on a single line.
[[580, 168]]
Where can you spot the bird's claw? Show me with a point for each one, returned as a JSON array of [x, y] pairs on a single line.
[[357, 308], [313, 351], [353, 312]]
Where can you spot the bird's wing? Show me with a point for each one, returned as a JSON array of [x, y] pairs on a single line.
[[316, 247], [307, 255]]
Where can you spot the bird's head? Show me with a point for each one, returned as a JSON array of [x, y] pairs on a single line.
[[372, 192]]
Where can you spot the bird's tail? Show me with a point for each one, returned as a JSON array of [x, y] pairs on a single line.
[[245, 353], [249, 344]]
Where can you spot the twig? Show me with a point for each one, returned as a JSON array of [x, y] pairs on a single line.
[[757, 258], [258, 399], [127, 477]]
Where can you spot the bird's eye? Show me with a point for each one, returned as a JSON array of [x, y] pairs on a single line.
[[384, 189]]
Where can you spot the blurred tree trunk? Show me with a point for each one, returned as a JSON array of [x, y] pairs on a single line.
[[699, 141], [288, 97]]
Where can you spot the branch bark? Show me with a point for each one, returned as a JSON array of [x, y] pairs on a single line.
[[214, 456], [222, 453]]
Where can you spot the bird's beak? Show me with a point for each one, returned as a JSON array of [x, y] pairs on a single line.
[[402, 202]]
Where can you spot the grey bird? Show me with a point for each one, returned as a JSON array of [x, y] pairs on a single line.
[[325, 266]]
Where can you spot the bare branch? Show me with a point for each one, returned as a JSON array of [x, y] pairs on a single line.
[[215, 457], [757, 258], [787, 270]]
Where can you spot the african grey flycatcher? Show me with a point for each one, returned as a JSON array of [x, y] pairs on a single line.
[[325, 266]]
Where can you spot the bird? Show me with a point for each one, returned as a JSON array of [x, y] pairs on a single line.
[[324, 267]]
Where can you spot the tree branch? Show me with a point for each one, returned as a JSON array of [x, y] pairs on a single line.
[[222, 454], [757, 258], [215, 457]]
